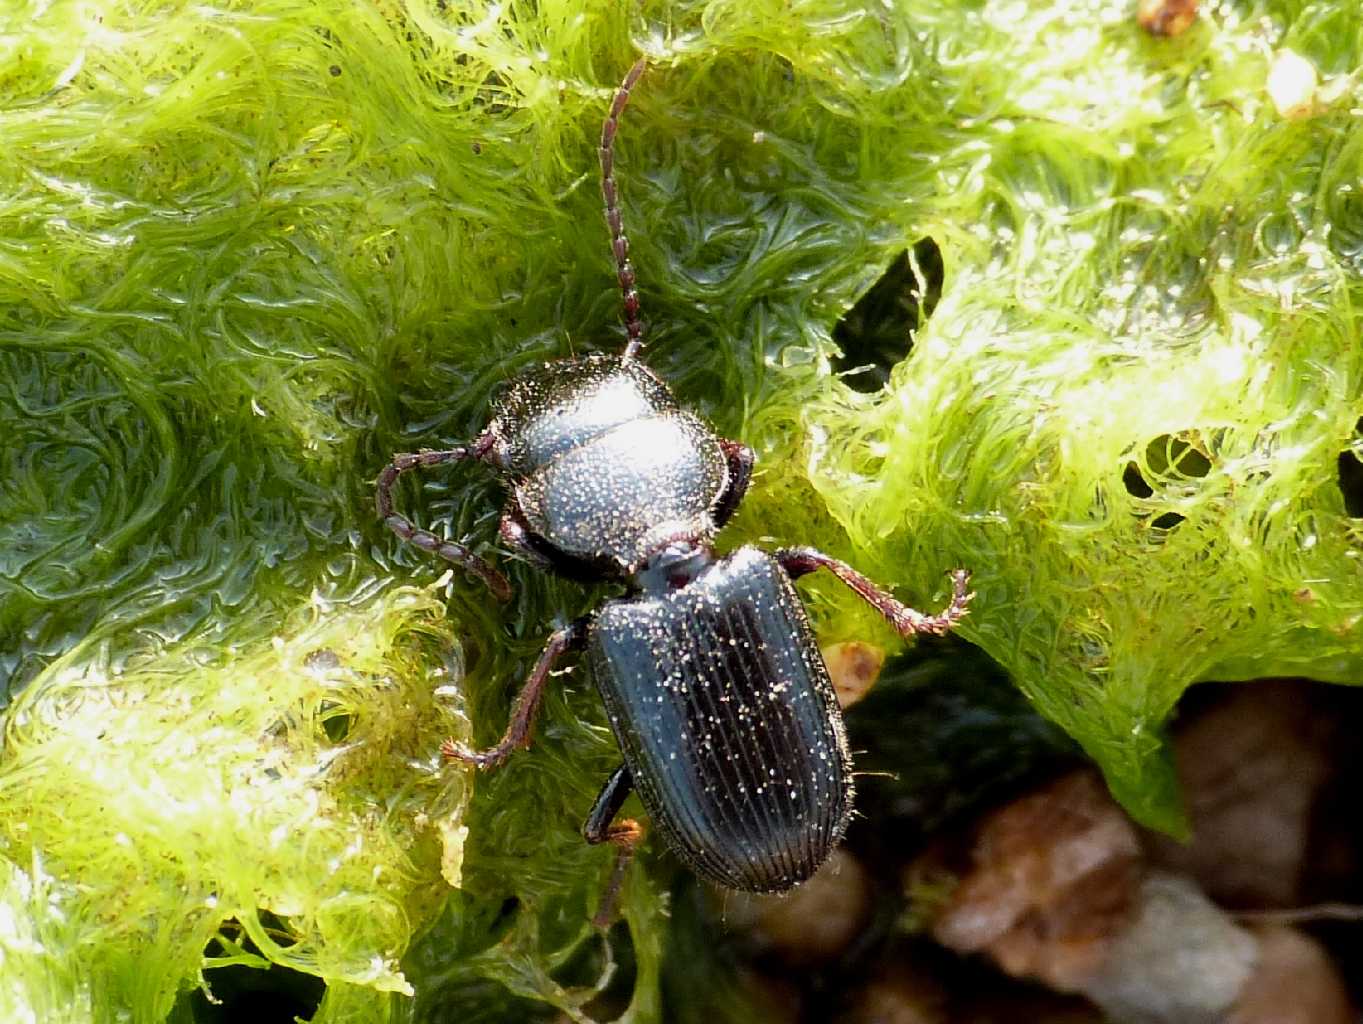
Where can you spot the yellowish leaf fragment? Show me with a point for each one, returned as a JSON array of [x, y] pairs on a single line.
[[1291, 85]]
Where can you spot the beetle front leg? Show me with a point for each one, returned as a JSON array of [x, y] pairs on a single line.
[[799, 561], [741, 460], [516, 535], [425, 539], [570, 637], [625, 835]]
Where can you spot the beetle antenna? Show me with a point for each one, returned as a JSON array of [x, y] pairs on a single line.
[[634, 327]]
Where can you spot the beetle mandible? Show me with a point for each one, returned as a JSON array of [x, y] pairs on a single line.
[[709, 671]]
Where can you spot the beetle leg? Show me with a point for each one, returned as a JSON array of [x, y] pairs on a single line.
[[570, 637], [425, 539], [515, 534], [625, 835], [741, 459], [799, 561], [598, 828]]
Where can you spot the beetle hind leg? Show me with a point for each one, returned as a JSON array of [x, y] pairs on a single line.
[[626, 835]]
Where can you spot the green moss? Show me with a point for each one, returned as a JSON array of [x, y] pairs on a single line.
[[248, 250], [1128, 410], [195, 796]]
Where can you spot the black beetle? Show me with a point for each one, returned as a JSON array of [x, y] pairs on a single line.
[[710, 674]]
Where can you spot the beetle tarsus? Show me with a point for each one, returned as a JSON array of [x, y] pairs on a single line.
[[451, 750], [527, 703], [907, 621]]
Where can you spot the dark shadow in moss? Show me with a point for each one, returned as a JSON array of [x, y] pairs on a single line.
[[477, 1000], [943, 734], [270, 995], [701, 977], [1171, 461], [877, 333], [1351, 478], [1177, 458], [457, 975], [1166, 521], [1135, 483]]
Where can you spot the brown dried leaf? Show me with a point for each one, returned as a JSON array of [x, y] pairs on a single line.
[[1295, 982], [1052, 880], [1166, 17], [1251, 768], [854, 667]]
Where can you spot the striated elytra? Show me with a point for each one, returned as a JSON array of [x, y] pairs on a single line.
[[728, 722], [710, 674]]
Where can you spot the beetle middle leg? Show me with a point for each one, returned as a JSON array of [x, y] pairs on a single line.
[[601, 827], [425, 539], [571, 637], [799, 561]]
